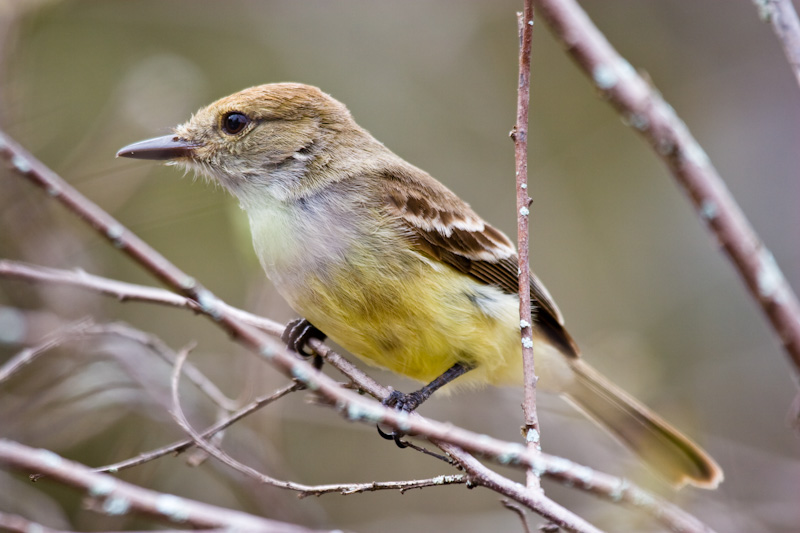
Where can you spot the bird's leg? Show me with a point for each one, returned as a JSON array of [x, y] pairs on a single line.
[[409, 402], [296, 335]]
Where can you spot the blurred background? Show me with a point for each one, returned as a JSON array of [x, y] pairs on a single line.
[[643, 286]]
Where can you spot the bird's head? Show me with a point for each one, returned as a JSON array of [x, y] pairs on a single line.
[[264, 136]]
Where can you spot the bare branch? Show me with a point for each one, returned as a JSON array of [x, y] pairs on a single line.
[[121, 290], [520, 136], [19, 524], [157, 346], [119, 497], [29, 355], [533, 498], [780, 14], [304, 490], [180, 446], [646, 111], [87, 328], [520, 512], [373, 486]]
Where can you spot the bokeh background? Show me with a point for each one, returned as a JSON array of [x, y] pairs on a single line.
[[643, 286]]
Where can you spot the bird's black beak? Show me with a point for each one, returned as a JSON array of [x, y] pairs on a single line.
[[159, 149]]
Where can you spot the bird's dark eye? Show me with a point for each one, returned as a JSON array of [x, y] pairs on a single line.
[[233, 123]]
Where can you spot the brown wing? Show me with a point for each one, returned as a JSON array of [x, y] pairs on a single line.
[[445, 228]]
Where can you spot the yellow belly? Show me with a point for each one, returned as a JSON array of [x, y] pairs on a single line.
[[393, 307], [421, 324]]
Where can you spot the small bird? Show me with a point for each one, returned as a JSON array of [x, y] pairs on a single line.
[[392, 265]]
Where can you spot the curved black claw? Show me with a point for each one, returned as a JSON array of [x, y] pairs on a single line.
[[296, 335], [401, 402], [395, 436]]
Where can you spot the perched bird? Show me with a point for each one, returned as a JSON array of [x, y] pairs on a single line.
[[392, 265]]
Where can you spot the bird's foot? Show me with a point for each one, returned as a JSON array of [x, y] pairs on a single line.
[[401, 402], [297, 335], [404, 402]]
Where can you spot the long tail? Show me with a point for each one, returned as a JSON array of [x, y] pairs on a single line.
[[663, 448]]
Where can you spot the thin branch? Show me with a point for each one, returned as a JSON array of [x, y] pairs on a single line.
[[202, 443], [520, 512], [159, 347], [87, 328], [520, 136], [121, 290], [646, 111], [532, 498], [351, 405], [27, 356], [19, 524], [304, 490], [374, 486], [780, 14], [119, 497], [183, 445]]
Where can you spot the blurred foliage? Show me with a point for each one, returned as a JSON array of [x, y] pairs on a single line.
[[651, 300]]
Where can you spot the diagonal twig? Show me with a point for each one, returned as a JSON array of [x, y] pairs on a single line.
[[304, 490], [119, 497], [520, 512], [780, 14], [88, 328], [55, 339], [183, 445], [656, 121], [121, 290]]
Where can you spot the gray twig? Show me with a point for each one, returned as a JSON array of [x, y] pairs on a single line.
[[117, 497], [780, 14], [520, 512], [656, 121], [87, 328], [183, 445], [304, 490]]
